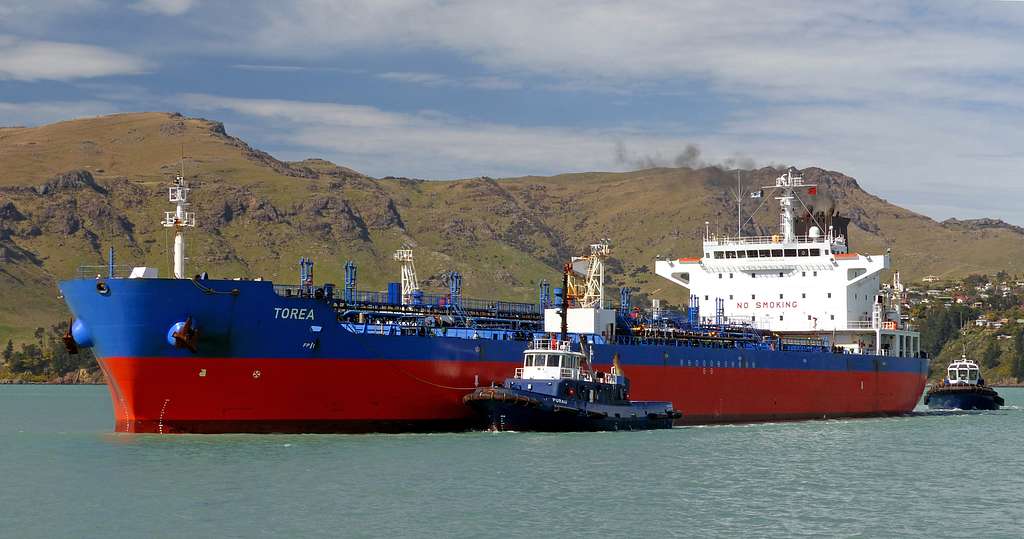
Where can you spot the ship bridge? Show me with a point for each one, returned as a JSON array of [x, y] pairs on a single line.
[[798, 284]]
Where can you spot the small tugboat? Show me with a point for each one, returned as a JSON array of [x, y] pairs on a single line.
[[557, 391], [963, 389]]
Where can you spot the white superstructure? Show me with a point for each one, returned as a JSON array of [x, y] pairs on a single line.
[[799, 285]]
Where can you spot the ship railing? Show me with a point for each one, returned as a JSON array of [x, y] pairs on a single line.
[[104, 271], [446, 301], [860, 324], [551, 344], [776, 239]]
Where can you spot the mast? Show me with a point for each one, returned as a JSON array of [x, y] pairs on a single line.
[[179, 219], [739, 206], [564, 310], [788, 183]]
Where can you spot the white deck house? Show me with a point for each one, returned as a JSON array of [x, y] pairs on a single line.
[[807, 285]]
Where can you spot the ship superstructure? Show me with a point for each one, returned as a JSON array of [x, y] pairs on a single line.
[[235, 355], [799, 284]]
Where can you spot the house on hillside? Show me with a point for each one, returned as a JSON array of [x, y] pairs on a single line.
[[930, 278]]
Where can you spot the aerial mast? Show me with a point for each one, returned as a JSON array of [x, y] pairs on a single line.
[[788, 183], [739, 206], [179, 219]]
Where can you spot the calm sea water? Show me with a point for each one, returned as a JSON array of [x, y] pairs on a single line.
[[62, 473]]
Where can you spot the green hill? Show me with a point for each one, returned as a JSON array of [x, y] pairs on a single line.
[[71, 189]]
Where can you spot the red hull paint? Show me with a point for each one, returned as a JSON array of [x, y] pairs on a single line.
[[167, 395]]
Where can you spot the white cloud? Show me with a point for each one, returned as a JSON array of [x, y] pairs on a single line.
[[165, 7], [424, 144], [865, 50], [426, 79], [926, 166], [437, 80], [51, 60], [33, 113]]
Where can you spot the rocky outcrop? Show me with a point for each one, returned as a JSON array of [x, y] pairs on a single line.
[[70, 181], [330, 217], [9, 213], [981, 224]]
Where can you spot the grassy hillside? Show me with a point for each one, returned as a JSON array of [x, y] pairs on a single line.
[[69, 190]]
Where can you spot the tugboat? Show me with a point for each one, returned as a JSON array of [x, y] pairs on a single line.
[[556, 390], [963, 389]]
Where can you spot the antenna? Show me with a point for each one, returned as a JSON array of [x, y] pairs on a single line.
[[788, 183], [739, 206]]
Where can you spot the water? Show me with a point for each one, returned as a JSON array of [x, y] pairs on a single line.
[[63, 474]]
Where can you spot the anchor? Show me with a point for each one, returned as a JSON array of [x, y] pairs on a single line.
[[186, 336]]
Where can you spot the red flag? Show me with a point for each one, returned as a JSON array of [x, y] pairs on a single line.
[[812, 191]]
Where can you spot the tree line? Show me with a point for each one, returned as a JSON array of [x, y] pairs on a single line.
[[47, 357]]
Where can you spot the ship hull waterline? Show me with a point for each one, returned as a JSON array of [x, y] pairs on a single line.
[[221, 395]]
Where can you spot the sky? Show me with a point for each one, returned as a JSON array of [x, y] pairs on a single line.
[[922, 102]]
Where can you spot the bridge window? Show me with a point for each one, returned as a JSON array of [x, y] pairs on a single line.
[[764, 253], [801, 252], [790, 252], [741, 254], [776, 252], [730, 254], [552, 360], [815, 252], [719, 255], [751, 254]]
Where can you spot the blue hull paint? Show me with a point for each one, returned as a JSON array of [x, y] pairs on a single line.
[[133, 318]]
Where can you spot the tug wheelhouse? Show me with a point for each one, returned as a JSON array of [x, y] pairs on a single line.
[[964, 372]]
